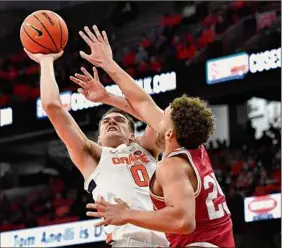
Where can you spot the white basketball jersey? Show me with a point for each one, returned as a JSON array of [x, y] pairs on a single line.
[[124, 172]]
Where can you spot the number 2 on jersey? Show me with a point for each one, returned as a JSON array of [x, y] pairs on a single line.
[[222, 208], [140, 175]]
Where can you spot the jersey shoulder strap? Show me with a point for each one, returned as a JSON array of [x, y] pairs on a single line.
[[186, 152]]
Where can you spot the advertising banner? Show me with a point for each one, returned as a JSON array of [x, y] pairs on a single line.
[[74, 101], [262, 207], [237, 66], [54, 235]]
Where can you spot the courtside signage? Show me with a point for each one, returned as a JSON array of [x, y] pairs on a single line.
[[236, 66], [227, 68], [267, 60], [157, 84], [6, 116], [55, 235], [262, 207]]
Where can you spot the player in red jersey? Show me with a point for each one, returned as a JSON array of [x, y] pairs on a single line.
[[189, 204]]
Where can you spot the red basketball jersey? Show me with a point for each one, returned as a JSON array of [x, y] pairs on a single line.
[[213, 222]]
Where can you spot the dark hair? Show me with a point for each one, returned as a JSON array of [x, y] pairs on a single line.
[[193, 121], [126, 115]]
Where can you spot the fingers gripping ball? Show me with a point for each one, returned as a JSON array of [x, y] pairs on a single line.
[[44, 32]]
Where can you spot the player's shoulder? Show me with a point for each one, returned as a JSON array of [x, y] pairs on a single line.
[[172, 161], [175, 165], [138, 142], [138, 147], [178, 160]]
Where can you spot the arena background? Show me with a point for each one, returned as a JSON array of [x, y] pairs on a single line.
[[228, 53]]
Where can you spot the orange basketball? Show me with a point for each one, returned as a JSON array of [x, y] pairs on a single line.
[[44, 31]]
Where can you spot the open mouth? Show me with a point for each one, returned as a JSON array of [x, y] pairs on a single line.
[[112, 128]]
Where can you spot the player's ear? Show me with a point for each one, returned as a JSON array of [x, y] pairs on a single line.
[[169, 134]]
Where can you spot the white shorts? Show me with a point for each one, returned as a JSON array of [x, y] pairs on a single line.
[[131, 243]]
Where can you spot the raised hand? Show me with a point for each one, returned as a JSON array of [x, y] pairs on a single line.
[[90, 85], [39, 57], [101, 51]]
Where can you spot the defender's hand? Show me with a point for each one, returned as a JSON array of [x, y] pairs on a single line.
[[90, 85], [112, 214], [101, 51], [39, 57]]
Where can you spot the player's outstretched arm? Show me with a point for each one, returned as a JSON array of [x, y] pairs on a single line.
[[177, 217], [83, 152], [94, 91], [101, 55]]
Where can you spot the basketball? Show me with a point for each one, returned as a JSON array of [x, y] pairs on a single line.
[[44, 32]]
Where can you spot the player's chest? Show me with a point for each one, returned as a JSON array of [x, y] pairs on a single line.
[[135, 167]]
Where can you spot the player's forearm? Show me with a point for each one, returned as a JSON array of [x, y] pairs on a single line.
[[49, 90], [123, 104], [166, 220], [130, 89], [142, 103]]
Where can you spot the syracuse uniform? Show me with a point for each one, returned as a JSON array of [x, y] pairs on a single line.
[[125, 172]]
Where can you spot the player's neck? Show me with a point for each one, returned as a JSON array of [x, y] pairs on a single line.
[[170, 147], [115, 143]]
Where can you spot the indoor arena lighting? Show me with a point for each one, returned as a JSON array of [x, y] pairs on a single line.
[[6, 116]]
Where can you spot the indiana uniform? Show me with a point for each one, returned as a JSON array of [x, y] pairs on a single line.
[[213, 222]]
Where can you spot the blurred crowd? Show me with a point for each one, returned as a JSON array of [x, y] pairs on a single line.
[[253, 168], [53, 203], [182, 34]]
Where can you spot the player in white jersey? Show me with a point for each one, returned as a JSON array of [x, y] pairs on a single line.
[[118, 165], [125, 171]]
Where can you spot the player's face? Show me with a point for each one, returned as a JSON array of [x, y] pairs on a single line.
[[114, 130], [165, 128]]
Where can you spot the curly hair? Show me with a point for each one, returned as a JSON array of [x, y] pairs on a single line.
[[126, 115], [193, 121]]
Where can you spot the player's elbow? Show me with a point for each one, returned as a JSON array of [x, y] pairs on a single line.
[[50, 106], [186, 224]]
